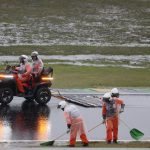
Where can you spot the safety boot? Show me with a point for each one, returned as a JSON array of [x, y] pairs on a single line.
[[115, 141], [85, 144], [109, 142]]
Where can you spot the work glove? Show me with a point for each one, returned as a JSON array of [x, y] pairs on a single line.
[[122, 108], [68, 131], [68, 126], [104, 119], [121, 111]]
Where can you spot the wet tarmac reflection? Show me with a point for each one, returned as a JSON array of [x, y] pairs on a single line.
[[28, 122]]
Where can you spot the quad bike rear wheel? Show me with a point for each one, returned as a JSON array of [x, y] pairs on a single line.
[[43, 95], [6, 95]]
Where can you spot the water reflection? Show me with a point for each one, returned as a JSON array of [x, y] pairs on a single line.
[[30, 122], [5, 126]]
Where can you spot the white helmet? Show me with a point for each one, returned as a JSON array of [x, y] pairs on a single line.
[[35, 53], [106, 96], [62, 104], [23, 58], [114, 92]]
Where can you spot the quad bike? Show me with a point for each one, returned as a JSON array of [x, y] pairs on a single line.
[[35, 89]]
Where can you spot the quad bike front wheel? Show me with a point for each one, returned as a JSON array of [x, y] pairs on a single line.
[[43, 95], [6, 95]]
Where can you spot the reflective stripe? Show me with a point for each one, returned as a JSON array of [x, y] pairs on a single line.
[[37, 66], [111, 108]]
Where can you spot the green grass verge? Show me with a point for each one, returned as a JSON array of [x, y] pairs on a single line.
[[72, 50], [133, 144], [67, 76]]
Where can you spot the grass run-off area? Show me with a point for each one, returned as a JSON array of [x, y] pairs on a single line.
[[74, 22], [73, 50], [68, 76], [102, 144]]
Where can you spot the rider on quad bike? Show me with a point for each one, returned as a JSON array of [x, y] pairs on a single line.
[[37, 90], [37, 64], [23, 73]]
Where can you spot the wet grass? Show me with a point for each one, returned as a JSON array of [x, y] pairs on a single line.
[[112, 21], [67, 76], [83, 22], [114, 63], [73, 50], [16, 9]]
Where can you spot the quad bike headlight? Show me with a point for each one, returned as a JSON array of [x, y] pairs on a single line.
[[6, 76], [47, 78]]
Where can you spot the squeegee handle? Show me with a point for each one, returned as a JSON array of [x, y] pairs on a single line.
[[66, 132], [95, 127]]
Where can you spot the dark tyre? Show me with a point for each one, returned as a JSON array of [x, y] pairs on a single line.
[[43, 95], [6, 95], [29, 98]]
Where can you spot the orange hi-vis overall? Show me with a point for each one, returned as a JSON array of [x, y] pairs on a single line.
[[73, 117], [24, 76], [111, 110]]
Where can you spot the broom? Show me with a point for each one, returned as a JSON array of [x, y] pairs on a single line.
[[50, 143], [135, 133]]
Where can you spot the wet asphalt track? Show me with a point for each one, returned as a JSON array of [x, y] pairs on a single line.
[[23, 120]]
